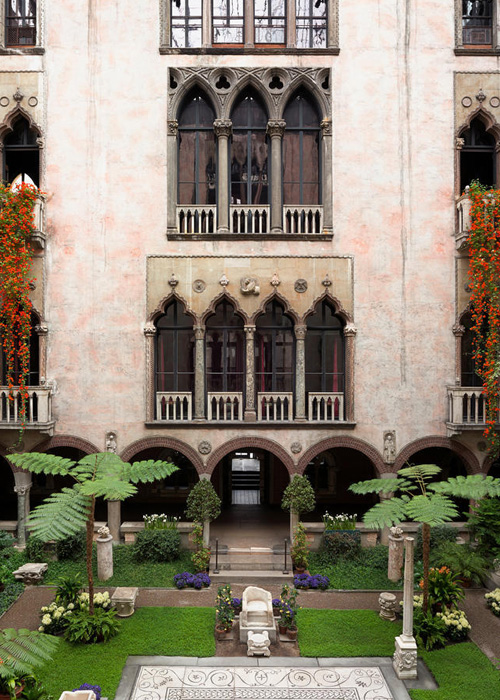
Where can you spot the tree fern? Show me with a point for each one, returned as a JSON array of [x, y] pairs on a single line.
[[42, 463], [474, 486], [22, 651], [147, 471], [61, 515]]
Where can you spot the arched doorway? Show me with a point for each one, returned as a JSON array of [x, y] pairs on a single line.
[[250, 483], [8, 498], [165, 496]]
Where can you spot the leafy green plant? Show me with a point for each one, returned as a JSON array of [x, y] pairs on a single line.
[[298, 496], [429, 630], [157, 545], [300, 550], [33, 689], [375, 557], [72, 547], [200, 558], [288, 607], [203, 504], [6, 543], [484, 521], [465, 561], [86, 628], [438, 536], [224, 610], [5, 574], [103, 474], [457, 625], [416, 497], [160, 522], [35, 549], [68, 589], [444, 590], [338, 544], [21, 652], [54, 618]]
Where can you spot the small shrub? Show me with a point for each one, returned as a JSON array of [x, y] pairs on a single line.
[[157, 545], [464, 561], [71, 548], [200, 558], [457, 625], [187, 580], [34, 690], [35, 549], [444, 590], [54, 617], [429, 630], [485, 525], [101, 600], [83, 628], [375, 557], [203, 503], [68, 589], [299, 496], [337, 545], [6, 543]]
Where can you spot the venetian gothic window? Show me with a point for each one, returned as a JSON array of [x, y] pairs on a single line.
[[301, 152], [21, 153], [20, 22], [174, 365], [225, 350], [196, 166], [325, 350], [469, 376], [477, 157], [274, 350]]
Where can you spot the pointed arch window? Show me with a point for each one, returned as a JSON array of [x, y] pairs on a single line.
[[225, 350], [301, 152], [325, 350], [174, 355], [21, 153], [274, 350], [477, 157], [249, 152], [20, 22], [196, 164]]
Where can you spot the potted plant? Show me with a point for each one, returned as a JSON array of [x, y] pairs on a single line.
[[444, 591], [298, 496], [299, 551], [224, 611], [203, 506], [288, 611]]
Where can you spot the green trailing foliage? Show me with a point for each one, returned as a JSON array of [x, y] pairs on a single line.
[[484, 522]]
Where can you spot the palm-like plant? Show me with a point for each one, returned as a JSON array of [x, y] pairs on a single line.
[[102, 474], [21, 652], [418, 498]]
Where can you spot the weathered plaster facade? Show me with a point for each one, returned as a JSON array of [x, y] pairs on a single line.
[[105, 94]]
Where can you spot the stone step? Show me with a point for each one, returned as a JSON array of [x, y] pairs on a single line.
[[251, 558], [246, 577]]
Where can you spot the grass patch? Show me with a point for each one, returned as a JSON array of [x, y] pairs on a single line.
[[345, 633], [127, 571], [149, 632], [350, 574], [462, 672]]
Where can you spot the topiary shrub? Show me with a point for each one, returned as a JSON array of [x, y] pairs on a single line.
[[340, 545], [157, 545], [299, 497], [202, 502], [6, 543], [71, 548]]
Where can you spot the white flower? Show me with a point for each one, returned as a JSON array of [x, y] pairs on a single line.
[[71, 606], [41, 628], [46, 620]]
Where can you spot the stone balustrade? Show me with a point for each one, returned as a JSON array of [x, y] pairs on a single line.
[[196, 219], [249, 219], [325, 406], [466, 409], [174, 406], [274, 406], [298, 218], [225, 405], [38, 406]]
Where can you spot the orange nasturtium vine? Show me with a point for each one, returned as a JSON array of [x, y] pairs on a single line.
[[484, 276], [16, 227]]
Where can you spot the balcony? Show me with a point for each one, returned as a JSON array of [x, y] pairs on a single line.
[[466, 409], [38, 409], [326, 406], [462, 232], [302, 220], [172, 406], [225, 405]]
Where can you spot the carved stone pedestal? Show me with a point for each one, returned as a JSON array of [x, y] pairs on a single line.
[[404, 660], [387, 603]]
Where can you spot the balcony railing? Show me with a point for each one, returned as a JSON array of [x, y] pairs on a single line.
[[466, 409], [249, 219], [174, 406], [226, 405], [274, 406], [325, 406], [197, 219], [464, 206], [38, 407], [298, 218]]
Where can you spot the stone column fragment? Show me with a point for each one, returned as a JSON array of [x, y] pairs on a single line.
[[300, 373], [404, 660], [199, 373]]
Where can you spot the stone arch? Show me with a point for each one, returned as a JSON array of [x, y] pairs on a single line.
[[160, 309], [66, 441], [469, 459], [7, 124], [193, 83], [305, 83], [344, 441], [250, 82], [486, 117], [272, 296], [339, 309], [213, 304], [251, 441], [166, 442]]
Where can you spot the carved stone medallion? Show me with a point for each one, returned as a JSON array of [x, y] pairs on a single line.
[[296, 447], [205, 447], [199, 286], [300, 286]]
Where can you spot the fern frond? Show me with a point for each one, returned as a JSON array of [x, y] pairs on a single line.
[[387, 513], [110, 487], [380, 485], [432, 509], [22, 651], [420, 471], [147, 471], [61, 515], [474, 486], [42, 463]]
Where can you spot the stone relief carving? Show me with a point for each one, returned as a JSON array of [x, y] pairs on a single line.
[[199, 286], [459, 143], [249, 285], [406, 660], [480, 97], [296, 448], [173, 281], [466, 101], [495, 102], [327, 282], [18, 96], [275, 280], [149, 329], [300, 286], [390, 447], [205, 447], [224, 281], [173, 126], [111, 444]]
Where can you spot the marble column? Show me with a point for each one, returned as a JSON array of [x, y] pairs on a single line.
[[275, 130], [172, 130], [150, 334], [405, 655], [396, 546], [223, 129], [300, 373], [249, 37], [349, 335], [327, 178], [199, 373], [458, 332], [22, 494], [114, 519], [104, 555], [206, 28], [250, 410]]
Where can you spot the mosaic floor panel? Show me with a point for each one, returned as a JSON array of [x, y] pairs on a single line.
[[254, 683]]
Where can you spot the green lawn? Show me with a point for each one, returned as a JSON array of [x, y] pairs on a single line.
[[368, 570], [127, 571], [149, 632]]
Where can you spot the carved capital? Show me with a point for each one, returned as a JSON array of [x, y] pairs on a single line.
[[173, 126], [21, 490], [459, 143], [326, 126], [223, 127], [350, 330], [458, 330], [149, 330], [41, 329], [40, 142], [199, 332], [300, 332], [276, 128], [249, 332]]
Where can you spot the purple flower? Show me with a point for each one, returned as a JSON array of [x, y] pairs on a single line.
[[86, 686]]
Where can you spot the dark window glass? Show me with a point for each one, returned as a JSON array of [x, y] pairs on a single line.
[[249, 150], [34, 372], [274, 350], [20, 153], [270, 21], [225, 349], [20, 23], [186, 23], [301, 163], [324, 348], [469, 376], [311, 24], [227, 21], [174, 350], [477, 22], [196, 166], [477, 157]]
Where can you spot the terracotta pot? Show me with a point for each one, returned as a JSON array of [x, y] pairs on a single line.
[[300, 569], [221, 633], [291, 633], [19, 690], [282, 629]]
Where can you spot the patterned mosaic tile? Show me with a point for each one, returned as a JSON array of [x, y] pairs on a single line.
[[257, 683]]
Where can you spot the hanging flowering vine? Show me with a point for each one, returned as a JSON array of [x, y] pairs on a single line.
[[484, 275], [16, 227]]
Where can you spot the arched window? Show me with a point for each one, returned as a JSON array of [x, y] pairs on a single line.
[[174, 365], [249, 151], [325, 350], [33, 378], [196, 163], [21, 153], [20, 23], [469, 376], [477, 157], [225, 349], [274, 350], [301, 152]]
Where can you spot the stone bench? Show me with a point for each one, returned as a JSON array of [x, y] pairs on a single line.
[[31, 574]]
